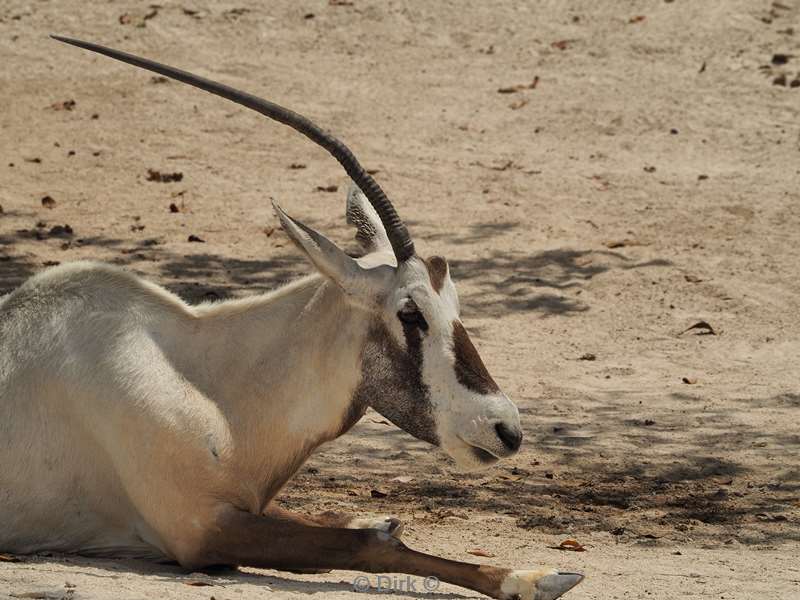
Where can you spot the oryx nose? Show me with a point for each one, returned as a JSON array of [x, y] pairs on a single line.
[[510, 436]]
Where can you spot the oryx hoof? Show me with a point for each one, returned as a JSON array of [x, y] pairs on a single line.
[[538, 585]]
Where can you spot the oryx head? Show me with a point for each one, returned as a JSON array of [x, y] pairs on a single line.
[[420, 369]]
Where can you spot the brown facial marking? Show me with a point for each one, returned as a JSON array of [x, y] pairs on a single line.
[[437, 271], [391, 382], [470, 370]]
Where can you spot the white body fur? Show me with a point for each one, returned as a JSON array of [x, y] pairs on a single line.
[[129, 418], [124, 411]]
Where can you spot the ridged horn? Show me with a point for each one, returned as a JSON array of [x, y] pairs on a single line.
[[395, 229]]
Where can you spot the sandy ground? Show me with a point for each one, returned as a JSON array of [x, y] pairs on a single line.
[[648, 181]]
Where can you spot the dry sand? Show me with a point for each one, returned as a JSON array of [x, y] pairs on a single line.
[[649, 181]]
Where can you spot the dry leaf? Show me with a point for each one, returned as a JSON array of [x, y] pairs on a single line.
[[781, 59], [9, 558], [44, 594], [479, 552], [703, 325], [603, 183], [403, 479], [637, 19], [773, 518], [446, 514], [561, 44], [154, 175], [571, 545], [65, 105], [378, 493], [503, 166], [519, 87], [60, 231], [622, 243]]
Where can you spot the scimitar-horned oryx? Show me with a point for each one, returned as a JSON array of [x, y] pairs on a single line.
[[133, 424]]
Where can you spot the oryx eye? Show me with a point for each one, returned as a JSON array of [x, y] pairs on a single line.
[[410, 315]]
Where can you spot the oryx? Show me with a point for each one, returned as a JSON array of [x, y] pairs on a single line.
[[133, 424]]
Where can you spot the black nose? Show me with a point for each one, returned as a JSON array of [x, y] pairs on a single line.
[[511, 437]]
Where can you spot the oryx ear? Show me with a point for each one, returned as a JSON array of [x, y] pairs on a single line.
[[329, 259], [370, 233]]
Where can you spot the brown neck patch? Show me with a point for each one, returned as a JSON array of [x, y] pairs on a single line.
[[437, 271], [470, 370]]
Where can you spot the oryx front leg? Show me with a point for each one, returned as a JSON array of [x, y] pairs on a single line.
[[263, 541]]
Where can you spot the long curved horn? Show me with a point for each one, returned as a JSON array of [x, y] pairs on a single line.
[[395, 229]]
